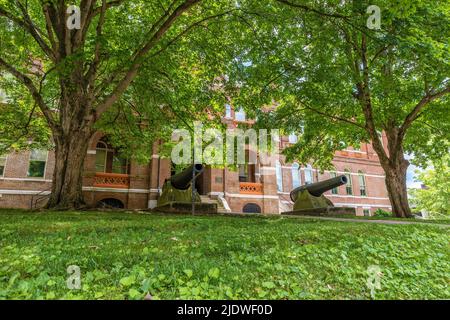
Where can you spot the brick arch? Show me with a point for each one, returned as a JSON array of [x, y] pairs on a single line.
[[95, 139], [103, 195], [113, 202], [251, 208]]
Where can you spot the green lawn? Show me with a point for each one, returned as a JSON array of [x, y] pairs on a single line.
[[126, 255], [435, 221]]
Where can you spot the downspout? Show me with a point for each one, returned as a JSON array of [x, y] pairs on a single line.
[[159, 167]]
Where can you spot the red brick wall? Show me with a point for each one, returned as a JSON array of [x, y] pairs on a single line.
[[144, 182]]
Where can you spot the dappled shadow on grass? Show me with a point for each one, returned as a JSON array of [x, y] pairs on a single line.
[[126, 255]]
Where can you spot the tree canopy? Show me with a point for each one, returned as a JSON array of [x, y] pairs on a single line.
[[341, 83], [434, 197], [136, 69]]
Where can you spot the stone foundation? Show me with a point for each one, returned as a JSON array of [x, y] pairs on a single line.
[[323, 212]]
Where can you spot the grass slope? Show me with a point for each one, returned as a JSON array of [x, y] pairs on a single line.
[[125, 255]]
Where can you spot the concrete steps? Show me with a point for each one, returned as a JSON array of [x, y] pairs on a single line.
[[220, 207]]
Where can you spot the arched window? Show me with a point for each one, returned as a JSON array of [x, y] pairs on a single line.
[[108, 160], [293, 138], [309, 177], [362, 184], [349, 185], [227, 111], [334, 175], [110, 203], [295, 175], [251, 208], [279, 174]]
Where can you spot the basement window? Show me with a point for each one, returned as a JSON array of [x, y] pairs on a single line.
[[38, 161]]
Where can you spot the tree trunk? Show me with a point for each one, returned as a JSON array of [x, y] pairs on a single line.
[[70, 152], [396, 187]]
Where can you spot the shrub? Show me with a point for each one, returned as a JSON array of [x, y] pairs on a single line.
[[382, 213]]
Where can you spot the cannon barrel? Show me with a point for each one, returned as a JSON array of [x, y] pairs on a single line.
[[182, 180], [316, 189]]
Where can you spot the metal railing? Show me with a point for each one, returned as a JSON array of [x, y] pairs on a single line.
[[111, 180], [251, 187], [40, 197]]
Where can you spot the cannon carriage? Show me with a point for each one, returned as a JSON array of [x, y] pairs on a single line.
[[310, 200], [177, 195]]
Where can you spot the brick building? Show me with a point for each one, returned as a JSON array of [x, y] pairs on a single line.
[[25, 179]]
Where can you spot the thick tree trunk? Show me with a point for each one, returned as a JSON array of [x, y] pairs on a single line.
[[70, 152], [396, 187]]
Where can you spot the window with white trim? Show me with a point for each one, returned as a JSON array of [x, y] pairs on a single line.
[[293, 138], [362, 184], [2, 165], [295, 175], [349, 185], [38, 162], [239, 115], [309, 176], [334, 190], [108, 160], [279, 174], [227, 111]]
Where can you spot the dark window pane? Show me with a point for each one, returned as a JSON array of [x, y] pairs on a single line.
[[349, 190], [36, 169], [2, 169]]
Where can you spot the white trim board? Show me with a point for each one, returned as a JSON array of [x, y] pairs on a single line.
[[340, 172], [356, 205], [118, 190], [24, 192], [355, 197], [250, 196], [26, 179]]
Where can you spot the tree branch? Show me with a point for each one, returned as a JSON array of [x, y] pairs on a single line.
[[185, 31], [32, 89], [333, 117], [28, 26], [93, 67], [306, 8], [414, 114], [137, 60]]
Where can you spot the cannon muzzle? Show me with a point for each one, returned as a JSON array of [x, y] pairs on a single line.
[[318, 188], [182, 180]]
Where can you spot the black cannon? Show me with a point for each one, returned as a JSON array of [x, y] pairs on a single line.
[[309, 199], [177, 194], [318, 188], [182, 180]]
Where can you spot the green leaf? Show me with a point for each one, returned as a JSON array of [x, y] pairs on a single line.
[[214, 273], [188, 272], [128, 281], [268, 284], [133, 293]]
